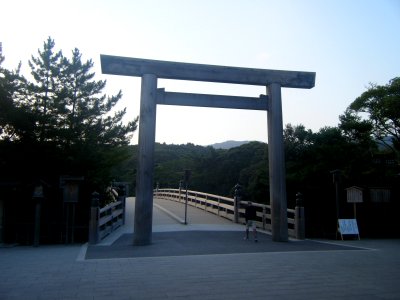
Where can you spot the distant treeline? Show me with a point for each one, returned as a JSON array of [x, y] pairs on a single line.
[[310, 159], [212, 170]]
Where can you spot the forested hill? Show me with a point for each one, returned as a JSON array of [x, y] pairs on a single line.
[[310, 159], [213, 170]]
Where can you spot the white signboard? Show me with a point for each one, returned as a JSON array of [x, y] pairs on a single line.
[[348, 226]]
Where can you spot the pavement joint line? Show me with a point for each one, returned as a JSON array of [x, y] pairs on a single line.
[[169, 213], [218, 254], [338, 244]]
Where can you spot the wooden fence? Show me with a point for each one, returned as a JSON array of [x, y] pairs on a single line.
[[225, 207], [105, 220]]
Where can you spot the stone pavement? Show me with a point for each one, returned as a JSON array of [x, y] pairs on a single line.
[[366, 269]]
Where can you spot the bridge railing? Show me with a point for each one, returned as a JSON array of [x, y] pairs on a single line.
[[219, 205], [105, 220], [225, 207]]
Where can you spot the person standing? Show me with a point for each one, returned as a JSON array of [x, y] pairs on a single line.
[[250, 216]]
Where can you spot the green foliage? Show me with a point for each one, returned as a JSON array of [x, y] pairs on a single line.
[[213, 171], [381, 104], [16, 117], [61, 122], [42, 95], [310, 158], [355, 129], [69, 104]]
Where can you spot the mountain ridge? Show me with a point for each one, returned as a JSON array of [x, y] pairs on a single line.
[[228, 144]]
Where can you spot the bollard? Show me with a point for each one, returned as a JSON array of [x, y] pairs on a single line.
[[299, 218], [36, 238], [38, 196], [94, 220]]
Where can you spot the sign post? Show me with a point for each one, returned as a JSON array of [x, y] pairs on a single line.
[[354, 195]]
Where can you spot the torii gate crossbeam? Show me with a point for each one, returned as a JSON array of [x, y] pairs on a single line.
[[151, 70]]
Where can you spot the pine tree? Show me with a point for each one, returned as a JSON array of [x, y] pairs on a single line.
[[63, 121], [85, 112], [45, 70], [69, 103]]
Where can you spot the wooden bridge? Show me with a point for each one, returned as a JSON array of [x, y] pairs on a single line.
[[174, 209]]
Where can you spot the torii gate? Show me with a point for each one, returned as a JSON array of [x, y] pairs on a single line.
[[151, 70]]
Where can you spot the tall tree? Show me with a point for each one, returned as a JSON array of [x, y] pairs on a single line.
[[382, 106], [84, 112], [63, 121], [69, 103], [45, 70]]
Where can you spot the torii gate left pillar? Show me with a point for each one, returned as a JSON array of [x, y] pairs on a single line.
[[144, 176], [151, 70]]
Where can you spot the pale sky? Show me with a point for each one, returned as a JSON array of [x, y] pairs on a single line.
[[349, 44]]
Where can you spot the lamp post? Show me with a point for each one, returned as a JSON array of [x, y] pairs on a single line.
[[180, 189], [236, 203], [187, 177], [336, 180]]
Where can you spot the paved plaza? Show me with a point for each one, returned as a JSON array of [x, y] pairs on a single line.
[[206, 259]]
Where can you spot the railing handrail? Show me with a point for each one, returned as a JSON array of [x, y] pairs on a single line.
[[198, 193], [109, 206]]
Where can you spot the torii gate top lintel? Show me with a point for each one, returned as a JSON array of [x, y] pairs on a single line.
[[128, 66]]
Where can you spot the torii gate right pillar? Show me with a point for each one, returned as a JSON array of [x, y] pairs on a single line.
[[276, 158]]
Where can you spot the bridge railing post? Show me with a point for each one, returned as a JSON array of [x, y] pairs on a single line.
[[299, 218], [236, 204], [122, 198], [94, 219], [264, 217]]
